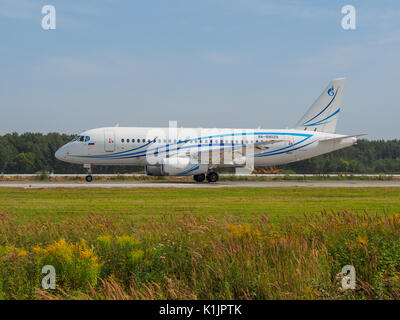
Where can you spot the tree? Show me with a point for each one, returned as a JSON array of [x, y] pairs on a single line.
[[342, 166], [24, 162]]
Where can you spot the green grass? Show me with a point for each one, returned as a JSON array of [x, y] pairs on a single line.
[[246, 203], [206, 243]]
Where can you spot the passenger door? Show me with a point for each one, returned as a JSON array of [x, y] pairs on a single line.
[[109, 140], [291, 155]]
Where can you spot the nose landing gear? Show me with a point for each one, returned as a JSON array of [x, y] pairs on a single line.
[[89, 168]]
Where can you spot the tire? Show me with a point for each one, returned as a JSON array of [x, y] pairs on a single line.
[[199, 177], [89, 178], [212, 177]]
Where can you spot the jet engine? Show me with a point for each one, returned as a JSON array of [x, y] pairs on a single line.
[[176, 166]]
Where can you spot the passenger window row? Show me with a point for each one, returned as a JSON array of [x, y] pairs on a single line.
[[211, 141]]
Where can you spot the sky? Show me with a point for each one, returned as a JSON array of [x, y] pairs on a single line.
[[204, 63]]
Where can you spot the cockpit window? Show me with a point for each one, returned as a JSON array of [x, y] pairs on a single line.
[[80, 138]]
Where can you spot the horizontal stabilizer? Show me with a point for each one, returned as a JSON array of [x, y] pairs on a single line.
[[341, 138]]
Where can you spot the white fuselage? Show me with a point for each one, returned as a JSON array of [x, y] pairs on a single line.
[[198, 151], [132, 145]]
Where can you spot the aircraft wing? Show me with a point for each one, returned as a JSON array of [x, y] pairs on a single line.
[[236, 154]]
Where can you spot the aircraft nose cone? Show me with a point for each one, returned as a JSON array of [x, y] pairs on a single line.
[[60, 154]]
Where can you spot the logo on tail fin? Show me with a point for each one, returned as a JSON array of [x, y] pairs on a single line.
[[324, 112], [332, 93]]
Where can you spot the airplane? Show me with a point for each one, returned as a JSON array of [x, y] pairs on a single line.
[[199, 152]]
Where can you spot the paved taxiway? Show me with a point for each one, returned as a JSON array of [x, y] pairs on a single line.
[[222, 184]]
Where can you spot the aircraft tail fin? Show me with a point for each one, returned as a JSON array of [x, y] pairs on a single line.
[[323, 114]]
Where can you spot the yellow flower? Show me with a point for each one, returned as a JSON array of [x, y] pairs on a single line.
[[37, 250], [21, 252], [362, 240], [127, 241], [13, 250], [137, 255], [105, 240], [243, 231]]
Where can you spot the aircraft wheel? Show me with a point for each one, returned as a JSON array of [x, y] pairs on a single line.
[[212, 177], [89, 178], [199, 177]]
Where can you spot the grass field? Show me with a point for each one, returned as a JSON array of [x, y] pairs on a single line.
[[245, 203], [227, 243]]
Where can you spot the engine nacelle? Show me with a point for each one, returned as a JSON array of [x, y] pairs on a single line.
[[176, 167], [156, 171]]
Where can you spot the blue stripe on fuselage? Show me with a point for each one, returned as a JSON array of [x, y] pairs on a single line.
[[188, 171], [156, 149]]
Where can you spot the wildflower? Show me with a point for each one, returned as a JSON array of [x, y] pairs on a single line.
[[136, 255], [105, 241], [243, 231], [13, 250], [76, 263], [127, 242], [21, 252], [362, 240]]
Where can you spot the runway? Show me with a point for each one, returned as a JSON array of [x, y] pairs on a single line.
[[222, 184]]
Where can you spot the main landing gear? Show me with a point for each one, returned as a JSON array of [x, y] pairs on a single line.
[[211, 177], [89, 168], [199, 177]]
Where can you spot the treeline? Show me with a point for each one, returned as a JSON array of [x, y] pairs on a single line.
[[34, 152], [377, 156]]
